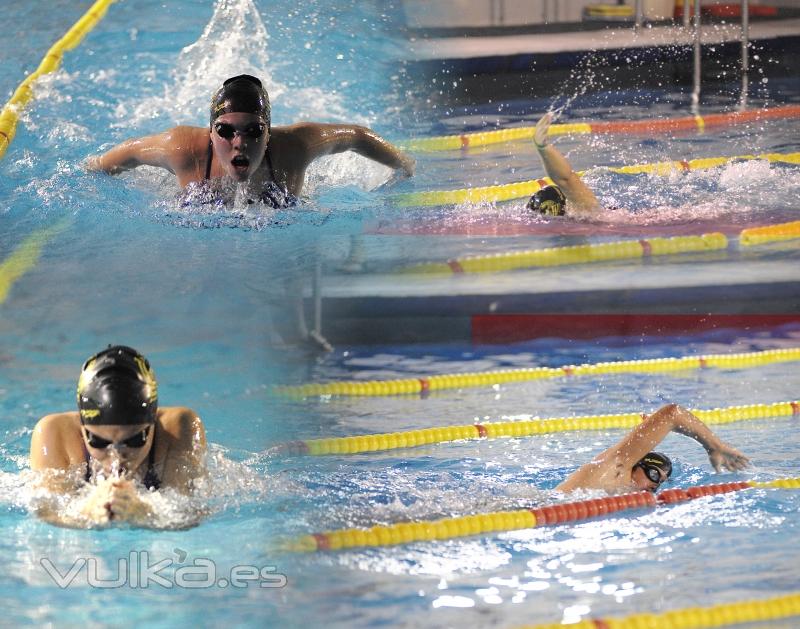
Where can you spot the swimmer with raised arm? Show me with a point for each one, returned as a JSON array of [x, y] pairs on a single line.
[[631, 465], [118, 441], [568, 194], [241, 145]]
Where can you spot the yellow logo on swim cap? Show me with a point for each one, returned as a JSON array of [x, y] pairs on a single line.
[[551, 208], [86, 376], [149, 378], [90, 413]]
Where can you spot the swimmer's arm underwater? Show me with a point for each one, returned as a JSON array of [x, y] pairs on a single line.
[[579, 196]]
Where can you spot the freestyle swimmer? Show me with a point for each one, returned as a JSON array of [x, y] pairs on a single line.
[[569, 192], [631, 464], [240, 144], [118, 439]]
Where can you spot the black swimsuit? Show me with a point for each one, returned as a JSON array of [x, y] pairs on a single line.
[[151, 480], [273, 194]]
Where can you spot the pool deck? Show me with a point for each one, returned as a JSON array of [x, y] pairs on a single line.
[[383, 308], [615, 38]]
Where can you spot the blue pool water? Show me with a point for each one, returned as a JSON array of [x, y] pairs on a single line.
[[207, 295], [711, 551]]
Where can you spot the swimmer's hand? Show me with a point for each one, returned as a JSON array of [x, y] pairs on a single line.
[[407, 165], [725, 456], [542, 129], [126, 504], [97, 508], [116, 499]]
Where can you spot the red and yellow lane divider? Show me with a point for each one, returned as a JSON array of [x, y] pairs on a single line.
[[607, 251], [526, 428], [426, 384], [522, 189], [721, 615], [499, 521], [25, 256], [686, 123], [52, 60]]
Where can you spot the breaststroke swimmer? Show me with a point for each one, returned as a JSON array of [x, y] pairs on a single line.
[[117, 439], [568, 194], [631, 465], [241, 145]]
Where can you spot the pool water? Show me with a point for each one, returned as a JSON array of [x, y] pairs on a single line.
[[207, 295], [710, 551]]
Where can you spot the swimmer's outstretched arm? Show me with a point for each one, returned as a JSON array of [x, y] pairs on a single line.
[[325, 139], [647, 435], [167, 150], [578, 194]]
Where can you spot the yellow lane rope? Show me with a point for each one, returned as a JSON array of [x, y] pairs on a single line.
[[524, 428], [499, 521], [575, 254], [25, 257], [769, 233], [606, 251], [424, 384], [722, 615], [698, 123], [521, 189], [52, 60]]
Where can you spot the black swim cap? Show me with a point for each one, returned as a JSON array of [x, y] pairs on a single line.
[[549, 201], [241, 94], [658, 460], [117, 386]]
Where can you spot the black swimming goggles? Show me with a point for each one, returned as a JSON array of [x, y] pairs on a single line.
[[653, 473], [228, 131], [135, 441]]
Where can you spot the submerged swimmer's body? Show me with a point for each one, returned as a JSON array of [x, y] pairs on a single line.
[[241, 146], [630, 464], [118, 440]]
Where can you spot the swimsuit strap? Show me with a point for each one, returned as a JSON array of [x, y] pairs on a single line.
[[88, 475], [209, 156], [151, 480], [269, 163]]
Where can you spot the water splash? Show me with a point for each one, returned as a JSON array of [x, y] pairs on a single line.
[[233, 42]]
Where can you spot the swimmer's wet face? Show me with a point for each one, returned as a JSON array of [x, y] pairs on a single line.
[[651, 471], [240, 143], [119, 448]]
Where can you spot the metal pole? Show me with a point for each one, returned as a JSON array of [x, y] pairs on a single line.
[[696, 90], [745, 57], [686, 14], [639, 13]]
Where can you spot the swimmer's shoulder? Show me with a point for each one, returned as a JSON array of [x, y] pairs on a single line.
[[180, 452], [292, 136], [185, 143], [181, 427], [56, 441]]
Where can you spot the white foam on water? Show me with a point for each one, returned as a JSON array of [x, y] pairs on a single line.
[[228, 484]]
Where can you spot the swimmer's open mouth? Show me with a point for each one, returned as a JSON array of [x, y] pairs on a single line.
[[240, 161]]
